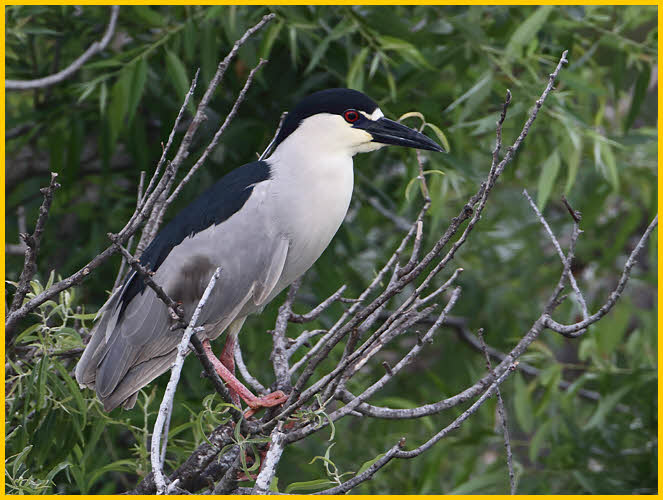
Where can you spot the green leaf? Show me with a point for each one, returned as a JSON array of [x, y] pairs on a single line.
[[84, 316], [147, 15], [356, 73], [610, 164], [292, 39], [406, 50], [138, 79], [538, 440], [178, 76], [125, 465], [368, 463], [606, 405], [117, 108], [274, 485], [639, 94], [341, 29], [410, 184], [54, 471], [42, 371], [20, 459], [270, 37], [74, 391], [486, 79], [314, 485], [478, 483], [103, 98], [523, 404], [573, 162], [440, 135], [26, 334], [392, 85], [547, 179], [319, 51], [609, 334], [526, 31]]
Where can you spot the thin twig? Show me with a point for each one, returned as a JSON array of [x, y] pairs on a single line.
[[268, 149], [575, 330], [32, 242], [166, 403], [123, 264], [279, 355], [268, 469], [398, 452], [217, 136], [152, 225], [315, 313], [246, 375], [502, 414], [560, 252], [479, 199]]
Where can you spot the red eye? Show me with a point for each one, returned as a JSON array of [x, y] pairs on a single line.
[[351, 116]]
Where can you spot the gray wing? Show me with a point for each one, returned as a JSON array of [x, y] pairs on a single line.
[[129, 350]]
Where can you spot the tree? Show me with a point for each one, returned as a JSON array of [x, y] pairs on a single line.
[[416, 58]]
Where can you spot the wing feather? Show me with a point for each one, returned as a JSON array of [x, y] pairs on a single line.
[[132, 343]]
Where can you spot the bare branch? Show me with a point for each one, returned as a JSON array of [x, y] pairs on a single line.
[[152, 226], [460, 326], [79, 276], [268, 149], [575, 330], [167, 402], [302, 340], [464, 416], [32, 243], [268, 469], [558, 248], [319, 309], [501, 411], [279, 355], [246, 375], [93, 49], [120, 272], [152, 202], [406, 360], [498, 130], [397, 452], [215, 140], [468, 210]]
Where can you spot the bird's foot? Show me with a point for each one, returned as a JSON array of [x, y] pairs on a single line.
[[272, 399]]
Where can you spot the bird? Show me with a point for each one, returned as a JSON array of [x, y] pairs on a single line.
[[263, 224]]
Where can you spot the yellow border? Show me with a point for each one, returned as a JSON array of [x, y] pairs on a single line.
[[289, 2], [348, 2]]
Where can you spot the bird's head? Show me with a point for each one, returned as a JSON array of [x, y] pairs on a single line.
[[346, 121]]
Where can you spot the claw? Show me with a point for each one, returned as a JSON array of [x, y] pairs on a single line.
[[273, 399]]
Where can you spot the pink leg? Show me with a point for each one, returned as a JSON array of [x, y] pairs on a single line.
[[227, 358], [228, 354], [255, 403]]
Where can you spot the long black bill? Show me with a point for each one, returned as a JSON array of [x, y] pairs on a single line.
[[386, 131]]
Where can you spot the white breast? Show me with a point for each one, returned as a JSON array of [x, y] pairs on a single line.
[[312, 194]]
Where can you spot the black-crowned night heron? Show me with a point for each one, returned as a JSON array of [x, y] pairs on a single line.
[[264, 224]]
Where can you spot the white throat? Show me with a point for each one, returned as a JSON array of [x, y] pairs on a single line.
[[312, 186]]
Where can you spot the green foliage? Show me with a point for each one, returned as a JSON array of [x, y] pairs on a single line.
[[594, 142]]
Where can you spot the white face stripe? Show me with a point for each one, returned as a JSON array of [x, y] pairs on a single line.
[[374, 115]]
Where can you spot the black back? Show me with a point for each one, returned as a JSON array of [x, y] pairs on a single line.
[[333, 101], [215, 205]]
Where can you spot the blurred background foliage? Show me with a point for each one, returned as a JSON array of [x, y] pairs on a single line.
[[594, 141]]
